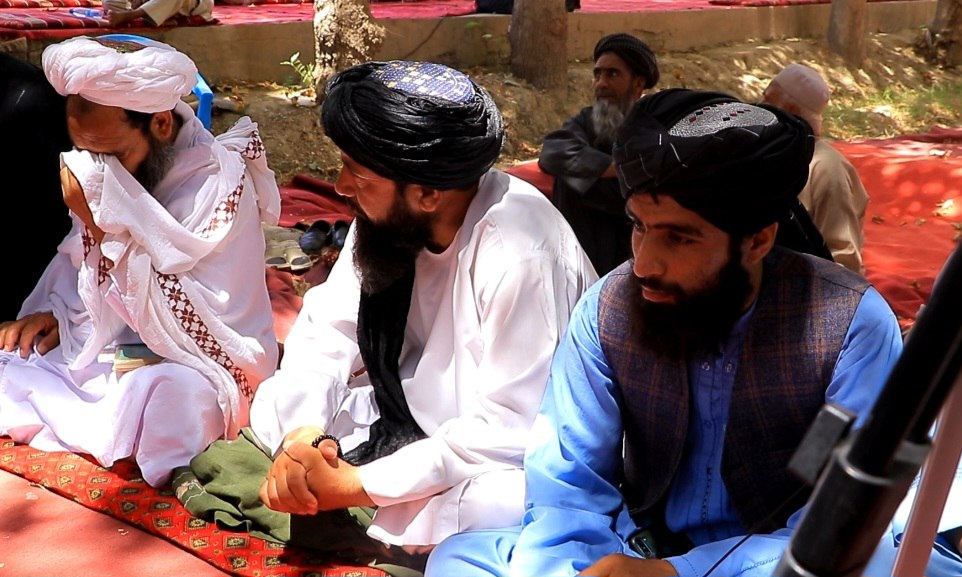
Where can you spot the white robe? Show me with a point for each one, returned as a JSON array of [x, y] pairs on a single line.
[[187, 280], [485, 318]]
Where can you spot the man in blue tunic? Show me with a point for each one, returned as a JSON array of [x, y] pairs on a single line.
[[689, 375]]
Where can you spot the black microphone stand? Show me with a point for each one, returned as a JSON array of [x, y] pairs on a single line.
[[869, 472]]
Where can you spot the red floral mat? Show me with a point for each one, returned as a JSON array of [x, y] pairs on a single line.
[[752, 3], [260, 2], [62, 19], [121, 493], [50, 4]]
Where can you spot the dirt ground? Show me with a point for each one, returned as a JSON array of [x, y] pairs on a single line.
[[296, 144]]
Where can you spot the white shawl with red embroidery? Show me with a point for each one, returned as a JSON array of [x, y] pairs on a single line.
[[181, 265]]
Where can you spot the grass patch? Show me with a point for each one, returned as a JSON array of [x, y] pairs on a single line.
[[894, 111]]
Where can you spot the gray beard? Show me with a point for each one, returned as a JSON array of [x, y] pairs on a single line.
[[606, 117]]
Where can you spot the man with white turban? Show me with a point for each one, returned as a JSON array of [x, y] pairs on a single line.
[[164, 252]]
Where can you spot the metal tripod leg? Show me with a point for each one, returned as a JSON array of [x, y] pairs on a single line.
[[936, 480]]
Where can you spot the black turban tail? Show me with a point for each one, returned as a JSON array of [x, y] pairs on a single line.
[[741, 171], [411, 136]]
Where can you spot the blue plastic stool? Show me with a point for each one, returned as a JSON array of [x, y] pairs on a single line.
[[205, 96]]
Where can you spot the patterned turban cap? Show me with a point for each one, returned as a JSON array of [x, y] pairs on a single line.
[[414, 122], [636, 54], [150, 77], [740, 166]]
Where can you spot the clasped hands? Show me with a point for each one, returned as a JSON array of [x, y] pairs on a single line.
[[304, 480]]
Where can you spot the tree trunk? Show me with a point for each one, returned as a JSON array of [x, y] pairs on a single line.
[[539, 42], [846, 30], [942, 43], [344, 35]]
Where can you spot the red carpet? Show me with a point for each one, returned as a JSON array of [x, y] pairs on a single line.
[[41, 533], [51, 18], [121, 493], [914, 218]]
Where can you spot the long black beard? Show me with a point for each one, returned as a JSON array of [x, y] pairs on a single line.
[[155, 167], [696, 323], [384, 252]]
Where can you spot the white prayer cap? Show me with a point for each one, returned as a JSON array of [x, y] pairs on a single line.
[[145, 77], [805, 86]]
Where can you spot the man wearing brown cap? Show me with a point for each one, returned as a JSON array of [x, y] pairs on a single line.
[[689, 375], [834, 195], [578, 155]]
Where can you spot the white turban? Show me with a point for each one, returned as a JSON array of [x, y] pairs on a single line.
[[149, 77]]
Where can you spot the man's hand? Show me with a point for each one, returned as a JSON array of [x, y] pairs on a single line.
[[73, 196], [304, 480], [619, 565], [24, 332]]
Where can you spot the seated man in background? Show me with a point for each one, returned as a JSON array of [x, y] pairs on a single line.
[[156, 12], [689, 376], [33, 121], [834, 195], [427, 349], [164, 252], [578, 155]]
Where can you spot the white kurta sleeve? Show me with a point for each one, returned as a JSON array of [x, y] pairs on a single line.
[[313, 385]]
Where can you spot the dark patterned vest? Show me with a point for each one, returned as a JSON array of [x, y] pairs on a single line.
[[792, 342]]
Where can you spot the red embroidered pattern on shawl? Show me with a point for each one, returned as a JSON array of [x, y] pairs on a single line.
[[184, 310], [255, 147], [104, 265], [226, 210], [88, 241]]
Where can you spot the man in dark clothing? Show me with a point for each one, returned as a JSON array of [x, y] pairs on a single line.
[[34, 124], [578, 155]]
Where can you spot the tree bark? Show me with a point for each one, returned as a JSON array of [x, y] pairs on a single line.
[[942, 43], [344, 35], [539, 42], [846, 30]]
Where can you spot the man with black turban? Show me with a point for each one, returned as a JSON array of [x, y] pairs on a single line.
[[578, 155], [689, 375], [426, 351]]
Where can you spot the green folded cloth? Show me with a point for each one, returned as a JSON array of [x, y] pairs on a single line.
[[222, 485]]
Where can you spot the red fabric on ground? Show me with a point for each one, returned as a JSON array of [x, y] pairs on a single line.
[[914, 217], [304, 200], [752, 3], [35, 521], [121, 493], [47, 19], [49, 3]]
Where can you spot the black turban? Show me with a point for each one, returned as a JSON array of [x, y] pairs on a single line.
[[634, 52], [740, 166], [414, 122]]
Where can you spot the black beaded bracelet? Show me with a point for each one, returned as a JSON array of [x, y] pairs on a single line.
[[317, 441]]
